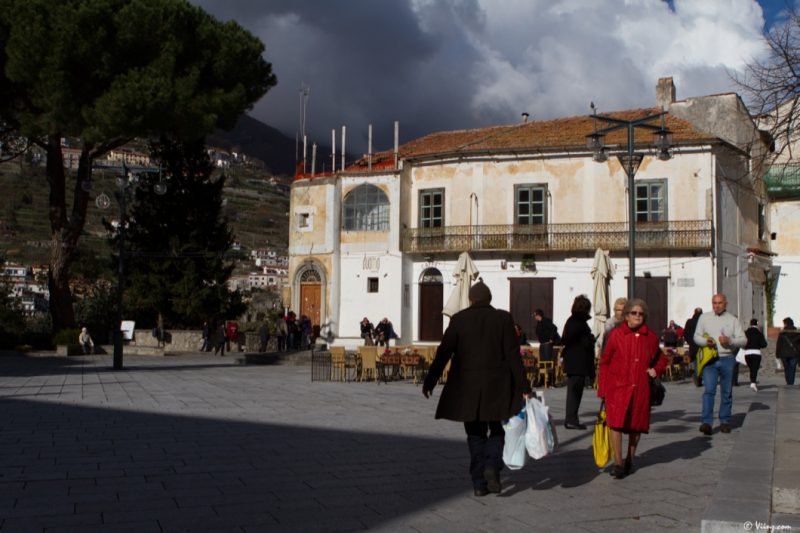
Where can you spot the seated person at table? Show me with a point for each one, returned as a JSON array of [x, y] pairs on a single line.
[[521, 337], [547, 334], [384, 332]]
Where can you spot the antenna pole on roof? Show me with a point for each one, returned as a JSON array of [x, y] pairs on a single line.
[[344, 136], [396, 141], [333, 150], [369, 148]]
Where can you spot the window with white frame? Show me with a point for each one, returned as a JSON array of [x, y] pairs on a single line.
[[651, 201], [366, 208], [431, 208], [530, 204]]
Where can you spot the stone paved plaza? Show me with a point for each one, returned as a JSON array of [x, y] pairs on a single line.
[[198, 443]]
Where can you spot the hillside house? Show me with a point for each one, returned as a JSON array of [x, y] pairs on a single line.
[[531, 206]]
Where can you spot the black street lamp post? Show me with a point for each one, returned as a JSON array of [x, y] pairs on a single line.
[[630, 161], [125, 183]]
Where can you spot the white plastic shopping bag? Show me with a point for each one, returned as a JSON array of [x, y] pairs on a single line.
[[539, 437], [515, 455]]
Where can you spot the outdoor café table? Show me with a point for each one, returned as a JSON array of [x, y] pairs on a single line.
[[414, 363], [388, 366]]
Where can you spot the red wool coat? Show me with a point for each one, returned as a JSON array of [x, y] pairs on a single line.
[[623, 380]]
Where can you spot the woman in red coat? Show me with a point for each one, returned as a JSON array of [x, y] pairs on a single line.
[[631, 355]]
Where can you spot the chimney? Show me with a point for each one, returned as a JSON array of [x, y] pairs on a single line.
[[525, 116], [665, 92]]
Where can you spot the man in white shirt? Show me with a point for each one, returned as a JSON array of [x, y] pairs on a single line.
[[719, 329]]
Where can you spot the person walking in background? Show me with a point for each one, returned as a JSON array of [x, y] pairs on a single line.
[[787, 349], [752, 351], [546, 334], [632, 356], [485, 385], [367, 332], [263, 337], [204, 347], [304, 325], [721, 330], [292, 331], [670, 335], [612, 322], [578, 357], [688, 335], [86, 342], [281, 332], [222, 339]]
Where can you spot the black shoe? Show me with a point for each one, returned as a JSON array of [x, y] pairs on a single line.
[[725, 428], [574, 426], [617, 472], [481, 491], [705, 429], [628, 468], [493, 484]]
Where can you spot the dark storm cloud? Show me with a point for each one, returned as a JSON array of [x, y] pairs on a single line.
[[447, 64]]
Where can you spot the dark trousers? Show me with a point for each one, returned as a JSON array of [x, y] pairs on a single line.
[[735, 375], [575, 386], [485, 451], [753, 363], [789, 369]]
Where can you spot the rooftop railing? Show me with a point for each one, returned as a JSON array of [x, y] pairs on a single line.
[[687, 235]]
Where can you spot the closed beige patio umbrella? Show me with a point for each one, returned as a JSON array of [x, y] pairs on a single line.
[[465, 273]]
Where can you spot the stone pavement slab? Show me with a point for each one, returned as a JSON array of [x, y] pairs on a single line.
[[198, 443]]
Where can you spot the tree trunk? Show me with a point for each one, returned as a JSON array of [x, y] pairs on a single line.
[[64, 229]]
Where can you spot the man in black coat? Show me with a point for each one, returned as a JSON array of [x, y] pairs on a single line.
[[485, 385]]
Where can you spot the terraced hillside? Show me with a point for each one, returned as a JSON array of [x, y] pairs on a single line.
[[256, 210]]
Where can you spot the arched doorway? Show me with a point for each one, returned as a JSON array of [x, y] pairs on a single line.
[[431, 302], [310, 297]]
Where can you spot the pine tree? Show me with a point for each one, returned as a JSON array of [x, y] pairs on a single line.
[[176, 243]]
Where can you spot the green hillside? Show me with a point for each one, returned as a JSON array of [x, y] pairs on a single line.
[[256, 210]]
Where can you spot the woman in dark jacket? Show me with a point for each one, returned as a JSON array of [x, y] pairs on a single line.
[[752, 351], [485, 385], [578, 357]]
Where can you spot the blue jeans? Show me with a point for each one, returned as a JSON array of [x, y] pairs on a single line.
[[789, 369], [721, 371]]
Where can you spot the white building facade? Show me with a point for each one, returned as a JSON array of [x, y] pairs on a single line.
[[531, 207]]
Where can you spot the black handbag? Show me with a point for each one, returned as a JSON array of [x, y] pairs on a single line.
[[657, 389], [657, 392]]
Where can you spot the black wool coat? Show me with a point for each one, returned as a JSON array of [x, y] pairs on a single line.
[[578, 342], [486, 379]]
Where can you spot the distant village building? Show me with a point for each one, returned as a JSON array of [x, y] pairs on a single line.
[[22, 285]]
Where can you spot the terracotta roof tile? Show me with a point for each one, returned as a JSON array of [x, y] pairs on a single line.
[[558, 134]]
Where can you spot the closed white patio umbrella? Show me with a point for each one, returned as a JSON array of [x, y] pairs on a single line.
[[602, 271], [465, 273]]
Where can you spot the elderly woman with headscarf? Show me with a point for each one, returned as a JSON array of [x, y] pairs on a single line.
[[632, 356]]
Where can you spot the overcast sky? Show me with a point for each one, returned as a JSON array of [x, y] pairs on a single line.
[[438, 65]]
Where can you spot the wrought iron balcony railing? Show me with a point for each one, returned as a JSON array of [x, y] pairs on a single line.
[[690, 235]]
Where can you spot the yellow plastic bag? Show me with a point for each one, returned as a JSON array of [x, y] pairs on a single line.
[[601, 440], [705, 355]]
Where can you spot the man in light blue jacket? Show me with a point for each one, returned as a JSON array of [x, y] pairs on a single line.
[[719, 329]]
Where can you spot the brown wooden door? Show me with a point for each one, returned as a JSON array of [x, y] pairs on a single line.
[[310, 296], [528, 294], [654, 292], [431, 302]]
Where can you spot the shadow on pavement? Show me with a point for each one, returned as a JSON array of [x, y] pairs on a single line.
[[63, 465]]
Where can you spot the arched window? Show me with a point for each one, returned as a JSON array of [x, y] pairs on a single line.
[[366, 208], [310, 276], [431, 275]]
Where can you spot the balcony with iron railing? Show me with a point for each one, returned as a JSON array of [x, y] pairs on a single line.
[[684, 235]]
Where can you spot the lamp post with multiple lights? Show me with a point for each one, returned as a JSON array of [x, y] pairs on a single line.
[[630, 161]]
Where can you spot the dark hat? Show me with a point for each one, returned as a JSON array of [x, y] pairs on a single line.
[[480, 293]]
